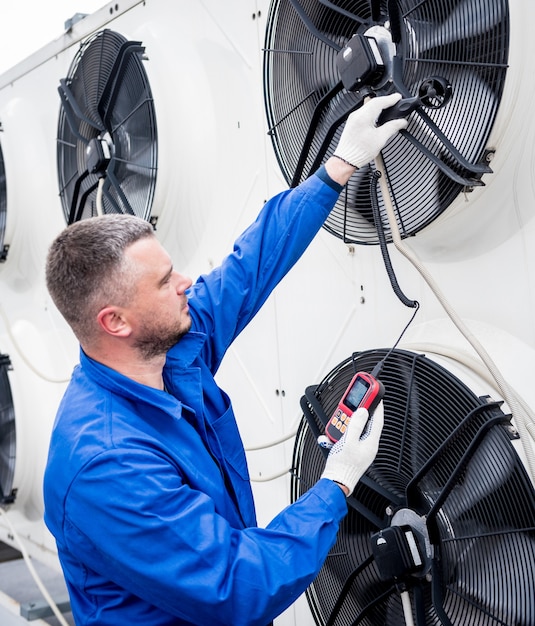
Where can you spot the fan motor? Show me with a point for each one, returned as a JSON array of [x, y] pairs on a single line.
[[98, 155], [403, 548], [360, 62]]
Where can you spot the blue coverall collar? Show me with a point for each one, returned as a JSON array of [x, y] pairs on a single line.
[[181, 355]]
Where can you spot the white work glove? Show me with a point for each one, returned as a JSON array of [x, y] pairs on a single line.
[[361, 140], [351, 456]]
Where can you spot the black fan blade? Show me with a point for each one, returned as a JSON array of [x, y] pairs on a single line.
[[481, 478], [92, 76], [311, 27], [113, 189], [303, 44], [341, 11], [116, 80], [74, 113], [375, 6], [109, 133], [495, 577], [394, 15], [466, 20]]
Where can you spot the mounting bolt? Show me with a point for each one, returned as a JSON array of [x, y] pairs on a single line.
[[489, 154], [513, 432]]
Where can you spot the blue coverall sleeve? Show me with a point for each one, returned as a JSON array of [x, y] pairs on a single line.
[[224, 301], [194, 565]]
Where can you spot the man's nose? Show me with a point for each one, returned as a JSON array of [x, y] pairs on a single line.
[[183, 283]]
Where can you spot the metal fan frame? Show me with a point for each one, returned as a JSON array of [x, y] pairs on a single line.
[[3, 207], [76, 118], [447, 161], [8, 436], [438, 476]]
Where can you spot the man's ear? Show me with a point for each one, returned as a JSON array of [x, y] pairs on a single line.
[[112, 321]]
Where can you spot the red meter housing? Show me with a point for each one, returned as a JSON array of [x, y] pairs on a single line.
[[363, 391]]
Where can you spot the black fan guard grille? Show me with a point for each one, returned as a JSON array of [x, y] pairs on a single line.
[[474, 492], [8, 438], [3, 206], [464, 42], [107, 104]]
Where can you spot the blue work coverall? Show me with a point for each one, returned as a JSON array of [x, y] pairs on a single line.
[[147, 492]]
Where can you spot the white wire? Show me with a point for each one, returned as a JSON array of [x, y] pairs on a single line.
[[32, 570], [271, 444], [99, 195], [468, 361], [407, 609], [525, 421]]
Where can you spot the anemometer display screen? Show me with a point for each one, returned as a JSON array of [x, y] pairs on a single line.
[[356, 393], [363, 391]]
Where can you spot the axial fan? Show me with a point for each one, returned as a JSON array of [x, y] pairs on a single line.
[[7, 434], [445, 514], [3, 207], [448, 58], [107, 137]]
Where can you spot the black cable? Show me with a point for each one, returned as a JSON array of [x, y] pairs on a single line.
[[413, 304], [382, 243], [377, 369]]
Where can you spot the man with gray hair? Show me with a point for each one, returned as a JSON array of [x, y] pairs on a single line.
[[146, 488]]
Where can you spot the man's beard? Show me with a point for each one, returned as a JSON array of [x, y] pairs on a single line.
[[157, 341]]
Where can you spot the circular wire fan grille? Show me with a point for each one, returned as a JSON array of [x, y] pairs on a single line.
[[107, 138], [463, 43], [446, 456], [8, 438], [3, 206]]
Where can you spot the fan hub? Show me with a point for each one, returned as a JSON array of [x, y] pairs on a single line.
[[97, 155]]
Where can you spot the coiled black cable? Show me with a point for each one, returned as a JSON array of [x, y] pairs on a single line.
[[413, 304]]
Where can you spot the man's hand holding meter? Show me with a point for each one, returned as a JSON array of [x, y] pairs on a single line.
[[351, 456]]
